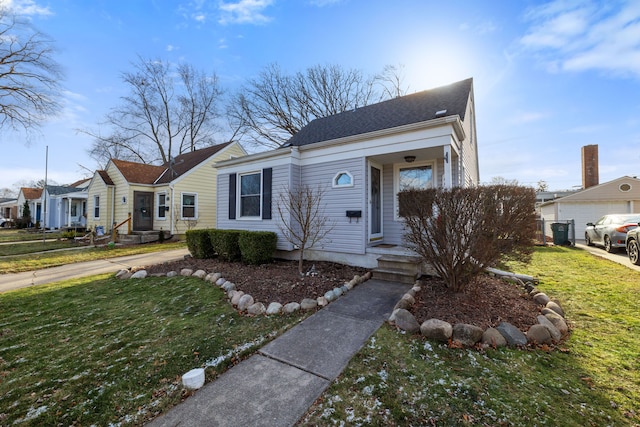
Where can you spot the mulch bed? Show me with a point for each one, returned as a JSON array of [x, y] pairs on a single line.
[[275, 282], [487, 302]]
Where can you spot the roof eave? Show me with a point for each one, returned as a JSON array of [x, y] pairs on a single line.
[[253, 157]]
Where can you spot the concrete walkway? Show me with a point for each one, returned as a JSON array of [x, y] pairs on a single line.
[[276, 386], [81, 269], [619, 257]]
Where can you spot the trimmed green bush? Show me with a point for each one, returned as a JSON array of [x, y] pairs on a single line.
[[199, 244], [225, 244], [257, 247]]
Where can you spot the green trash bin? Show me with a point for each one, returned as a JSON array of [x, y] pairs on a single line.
[[560, 233]]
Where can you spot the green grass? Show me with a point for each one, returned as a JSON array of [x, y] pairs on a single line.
[[15, 235], [27, 248], [19, 263], [101, 351], [593, 380]]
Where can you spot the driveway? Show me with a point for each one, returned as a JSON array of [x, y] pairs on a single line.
[[71, 271], [620, 257]]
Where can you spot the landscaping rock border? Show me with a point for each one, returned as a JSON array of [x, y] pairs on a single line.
[[244, 303], [551, 328]]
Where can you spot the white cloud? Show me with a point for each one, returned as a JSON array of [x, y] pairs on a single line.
[[322, 3], [585, 35], [527, 117], [244, 12], [25, 7], [481, 28]]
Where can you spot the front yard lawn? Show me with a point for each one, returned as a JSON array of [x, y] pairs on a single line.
[[102, 351], [592, 380]]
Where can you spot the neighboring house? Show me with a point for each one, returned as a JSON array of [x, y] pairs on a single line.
[[65, 207], [9, 209], [33, 197], [174, 197], [361, 159], [621, 195]]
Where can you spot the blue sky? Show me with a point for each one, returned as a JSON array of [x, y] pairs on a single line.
[[549, 77]]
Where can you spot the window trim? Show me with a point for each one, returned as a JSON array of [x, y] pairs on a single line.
[[396, 181], [157, 216], [195, 205], [96, 206], [239, 215], [334, 182]]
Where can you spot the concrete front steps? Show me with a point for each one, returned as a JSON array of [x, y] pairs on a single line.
[[397, 268], [139, 237]]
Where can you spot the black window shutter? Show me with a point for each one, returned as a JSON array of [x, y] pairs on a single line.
[[266, 192], [232, 196]]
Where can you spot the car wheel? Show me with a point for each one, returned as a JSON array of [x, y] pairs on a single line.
[[587, 240], [608, 246], [633, 250]]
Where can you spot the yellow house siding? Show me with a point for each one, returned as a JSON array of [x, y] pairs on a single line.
[[201, 181], [104, 192]]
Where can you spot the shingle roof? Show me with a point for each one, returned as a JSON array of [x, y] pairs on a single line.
[[62, 189], [414, 108], [138, 173], [187, 161], [80, 183], [31, 193], [105, 177]]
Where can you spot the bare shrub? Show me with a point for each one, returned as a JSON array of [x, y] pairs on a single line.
[[462, 231], [303, 222]]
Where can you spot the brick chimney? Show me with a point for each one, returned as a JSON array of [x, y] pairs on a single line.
[[590, 175]]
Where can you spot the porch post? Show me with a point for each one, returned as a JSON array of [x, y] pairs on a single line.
[[447, 176], [69, 210]]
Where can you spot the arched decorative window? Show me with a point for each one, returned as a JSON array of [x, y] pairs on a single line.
[[343, 179]]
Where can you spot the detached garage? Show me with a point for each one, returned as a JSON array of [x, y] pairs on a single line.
[[621, 195]]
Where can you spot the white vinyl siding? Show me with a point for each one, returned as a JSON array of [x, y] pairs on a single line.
[[348, 235], [281, 179]]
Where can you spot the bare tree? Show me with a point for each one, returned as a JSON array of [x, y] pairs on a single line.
[[391, 81], [499, 180], [302, 219], [162, 116], [29, 76], [272, 107]]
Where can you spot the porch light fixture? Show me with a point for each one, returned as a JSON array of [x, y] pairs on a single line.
[[409, 159]]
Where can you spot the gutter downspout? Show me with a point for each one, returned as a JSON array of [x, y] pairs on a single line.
[[171, 210], [113, 207]]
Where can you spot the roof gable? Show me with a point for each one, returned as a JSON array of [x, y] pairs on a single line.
[[606, 191], [187, 161], [450, 100], [105, 177], [31, 193]]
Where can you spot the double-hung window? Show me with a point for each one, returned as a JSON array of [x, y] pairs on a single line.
[[188, 208], [250, 197], [162, 205], [96, 207]]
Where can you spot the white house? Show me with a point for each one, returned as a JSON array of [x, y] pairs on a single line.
[[361, 159]]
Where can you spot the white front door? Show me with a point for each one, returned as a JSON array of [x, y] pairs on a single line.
[[375, 202]]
